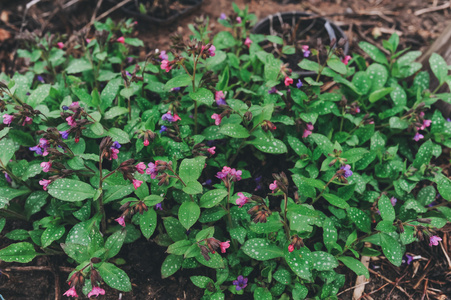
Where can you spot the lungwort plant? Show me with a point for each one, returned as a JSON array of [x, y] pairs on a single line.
[[215, 150]]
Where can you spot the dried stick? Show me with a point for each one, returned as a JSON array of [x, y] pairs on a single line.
[[431, 9], [36, 268], [117, 6], [392, 282]]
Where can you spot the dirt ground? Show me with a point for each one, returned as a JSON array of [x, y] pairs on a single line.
[[418, 22]]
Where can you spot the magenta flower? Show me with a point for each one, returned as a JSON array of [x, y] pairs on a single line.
[[137, 183], [163, 55], [347, 170], [418, 136], [7, 119], [248, 42], [45, 183], [176, 118], [146, 143], [27, 121], [71, 292], [241, 199], [235, 174], [121, 40], [167, 117], [238, 20], [434, 240], [393, 201], [273, 186], [306, 50], [152, 170], [229, 173], [224, 246], [141, 168], [240, 283], [88, 41], [288, 81], [46, 166], [70, 121], [96, 291], [212, 50], [426, 123], [217, 118], [114, 153], [290, 248], [74, 105], [346, 59], [121, 221], [308, 130], [8, 179], [220, 98], [60, 45], [165, 65], [212, 150]]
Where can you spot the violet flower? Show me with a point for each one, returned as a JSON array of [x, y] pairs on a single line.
[[240, 283]]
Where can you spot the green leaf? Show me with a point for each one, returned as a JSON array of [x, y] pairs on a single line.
[[212, 198], [178, 81], [378, 76], [191, 168], [398, 123], [2, 224], [379, 94], [362, 82], [268, 144], [70, 190], [355, 265], [424, 154], [148, 222], [323, 261], [115, 192], [134, 42], [119, 135], [174, 229], [76, 251], [386, 209], [78, 66], [38, 95], [239, 234], [392, 249], [201, 281], [234, 130], [35, 202], [115, 277], [299, 292], [215, 261], [373, 52], [189, 213], [114, 243], [261, 249], [324, 144], [274, 39], [8, 149], [426, 195], [361, 219], [438, 67], [262, 294], [330, 234], [203, 96], [180, 247], [301, 262], [336, 65], [223, 40], [52, 233], [336, 201], [18, 252], [171, 265], [114, 112]]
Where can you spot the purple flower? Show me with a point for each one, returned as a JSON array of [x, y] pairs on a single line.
[[306, 50], [8, 179], [418, 136], [433, 203], [299, 84], [273, 90], [116, 145], [64, 134], [347, 169], [163, 55], [167, 117], [433, 240], [128, 74], [152, 170], [393, 201], [36, 149], [65, 107], [158, 206], [240, 283], [40, 79], [163, 129], [176, 89], [223, 16], [407, 259], [448, 119], [207, 182]]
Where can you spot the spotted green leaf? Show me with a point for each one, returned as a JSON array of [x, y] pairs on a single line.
[[323, 261], [386, 209], [174, 229], [191, 168], [114, 243], [234, 130], [361, 219], [330, 234], [180, 247], [323, 143], [78, 66], [262, 294], [70, 190], [424, 154], [336, 201], [239, 234], [115, 277], [18, 252], [438, 67], [51, 233], [426, 195], [283, 276], [8, 147], [373, 52], [38, 95], [148, 222], [178, 81], [301, 262], [203, 96], [391, 249], [189, 213], [119, 135], [261, 249], [201, 281], [214, 262]]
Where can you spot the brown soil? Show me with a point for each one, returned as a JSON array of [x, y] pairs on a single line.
[[371, 20]]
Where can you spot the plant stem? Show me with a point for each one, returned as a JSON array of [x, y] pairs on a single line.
[[285, 225], [325, 187], [101, 209]]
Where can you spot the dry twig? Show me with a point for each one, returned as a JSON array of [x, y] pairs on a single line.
[[431, 9]]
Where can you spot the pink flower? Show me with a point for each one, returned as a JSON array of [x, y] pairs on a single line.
[[141, 168], [165, 65], [176, 118], [288, 81], [273, 186], [433, 240], [211, 150], [346, 59], [212, 50], [248, 42], [224, 246], [45, 183], [290, 248], [306, 50], [426, 123], [71, 293], [27, 121], [60, 45], [308, 130], [219, 95], [96, 291], [70, 121], [137, 183], [152, 170], [74, 105], [418, 136], [146, 143], [46, 166], [393, 201], [88, 41], [114, 153], [217, 118], [121, 40], [163, 55], [238, 19], [241, 200], [7, 119], [121, 221]]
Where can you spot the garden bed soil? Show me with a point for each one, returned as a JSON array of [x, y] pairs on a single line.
[[371, 20]]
